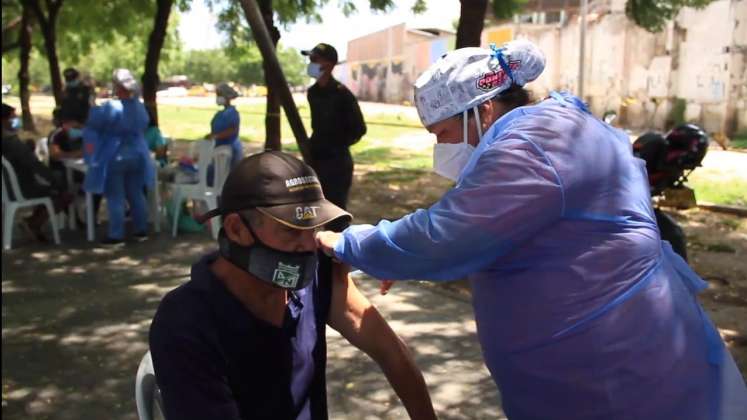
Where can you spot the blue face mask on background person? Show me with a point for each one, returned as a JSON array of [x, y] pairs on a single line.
[[74, 133], [16, 124], [314, 70]]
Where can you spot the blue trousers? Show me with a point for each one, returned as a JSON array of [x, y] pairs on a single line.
[[125, 178]]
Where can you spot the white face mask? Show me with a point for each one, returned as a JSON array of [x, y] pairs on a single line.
[[314, 70], [220, 100], [449, 159]]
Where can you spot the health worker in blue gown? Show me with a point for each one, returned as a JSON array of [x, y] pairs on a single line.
[[224, 127], [119, 163], [582, 311]]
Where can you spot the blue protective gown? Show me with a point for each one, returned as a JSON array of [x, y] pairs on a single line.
[[582, 311], [222, 120], [118, 159]]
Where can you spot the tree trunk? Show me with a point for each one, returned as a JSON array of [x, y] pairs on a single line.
[[48, 26], [471, 22], [272, 114], [264, 42], [24, 41], [153, 56]]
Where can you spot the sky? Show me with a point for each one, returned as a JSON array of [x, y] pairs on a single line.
[[197, 26]]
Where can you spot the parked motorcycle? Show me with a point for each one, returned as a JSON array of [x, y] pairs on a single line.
[[670, 159]]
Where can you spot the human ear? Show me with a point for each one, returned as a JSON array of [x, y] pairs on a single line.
[[236, 230], [486, 110]]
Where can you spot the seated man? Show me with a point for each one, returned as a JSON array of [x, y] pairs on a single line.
[[34, 178], [245, 337], [156, 143], [66, 142]]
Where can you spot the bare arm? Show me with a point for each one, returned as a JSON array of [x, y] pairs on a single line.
[[360, 323]]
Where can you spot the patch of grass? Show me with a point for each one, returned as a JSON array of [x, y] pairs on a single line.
[[721, 248], [395, 175], [728, 191], [731, 224], [739, 141]]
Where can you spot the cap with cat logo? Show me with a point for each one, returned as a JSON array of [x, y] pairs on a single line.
[[279, 186]]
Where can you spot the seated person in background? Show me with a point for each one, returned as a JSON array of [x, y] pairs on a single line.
[[66, 142], [34, 178], [245, 337], [156, 142]]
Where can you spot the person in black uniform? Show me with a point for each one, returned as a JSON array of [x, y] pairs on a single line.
[[337, 124], [77, 97]]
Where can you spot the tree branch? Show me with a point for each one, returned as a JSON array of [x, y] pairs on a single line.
[[38, 12]]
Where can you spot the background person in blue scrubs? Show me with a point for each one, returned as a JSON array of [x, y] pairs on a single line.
[[582, 311], [224, 127], [119, 163]]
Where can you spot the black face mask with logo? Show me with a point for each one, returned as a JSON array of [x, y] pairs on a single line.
[[287, 270]]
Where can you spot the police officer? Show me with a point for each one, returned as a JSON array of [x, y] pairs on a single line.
[[77, 97], [337, 124]]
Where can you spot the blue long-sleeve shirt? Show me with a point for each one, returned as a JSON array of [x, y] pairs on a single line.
[[223, 120], [582, 311]]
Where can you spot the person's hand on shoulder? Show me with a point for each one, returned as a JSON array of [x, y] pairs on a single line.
[[326, 241]]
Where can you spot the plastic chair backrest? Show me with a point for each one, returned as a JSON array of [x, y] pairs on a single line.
[[221, 161], [42, 149], [205, 156], [147, 394], [13, 181]]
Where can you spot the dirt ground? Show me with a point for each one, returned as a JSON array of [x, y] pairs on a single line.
[[717, 244], [75, 318]]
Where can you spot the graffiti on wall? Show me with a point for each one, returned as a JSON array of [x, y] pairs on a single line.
[[377, 81], [390, 79]]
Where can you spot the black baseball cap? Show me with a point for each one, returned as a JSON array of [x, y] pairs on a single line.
[[279, 186], [324, 51]]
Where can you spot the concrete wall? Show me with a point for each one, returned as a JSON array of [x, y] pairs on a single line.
[[698, 58], [383, 66]]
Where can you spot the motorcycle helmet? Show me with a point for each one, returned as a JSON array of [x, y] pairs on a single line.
[[652, 148], [688, 145]]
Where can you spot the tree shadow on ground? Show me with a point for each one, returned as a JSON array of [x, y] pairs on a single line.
[[76, 319], [440, 331]]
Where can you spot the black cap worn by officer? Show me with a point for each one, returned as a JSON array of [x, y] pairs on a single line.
[[322, 50], [287, 190]]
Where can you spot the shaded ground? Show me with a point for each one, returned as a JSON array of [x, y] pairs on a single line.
[[75, 318], [75, 323]]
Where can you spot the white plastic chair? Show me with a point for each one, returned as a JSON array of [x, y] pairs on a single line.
[[10, 206], [220, 158], [42, 150], [147, 395], [154, 198]]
